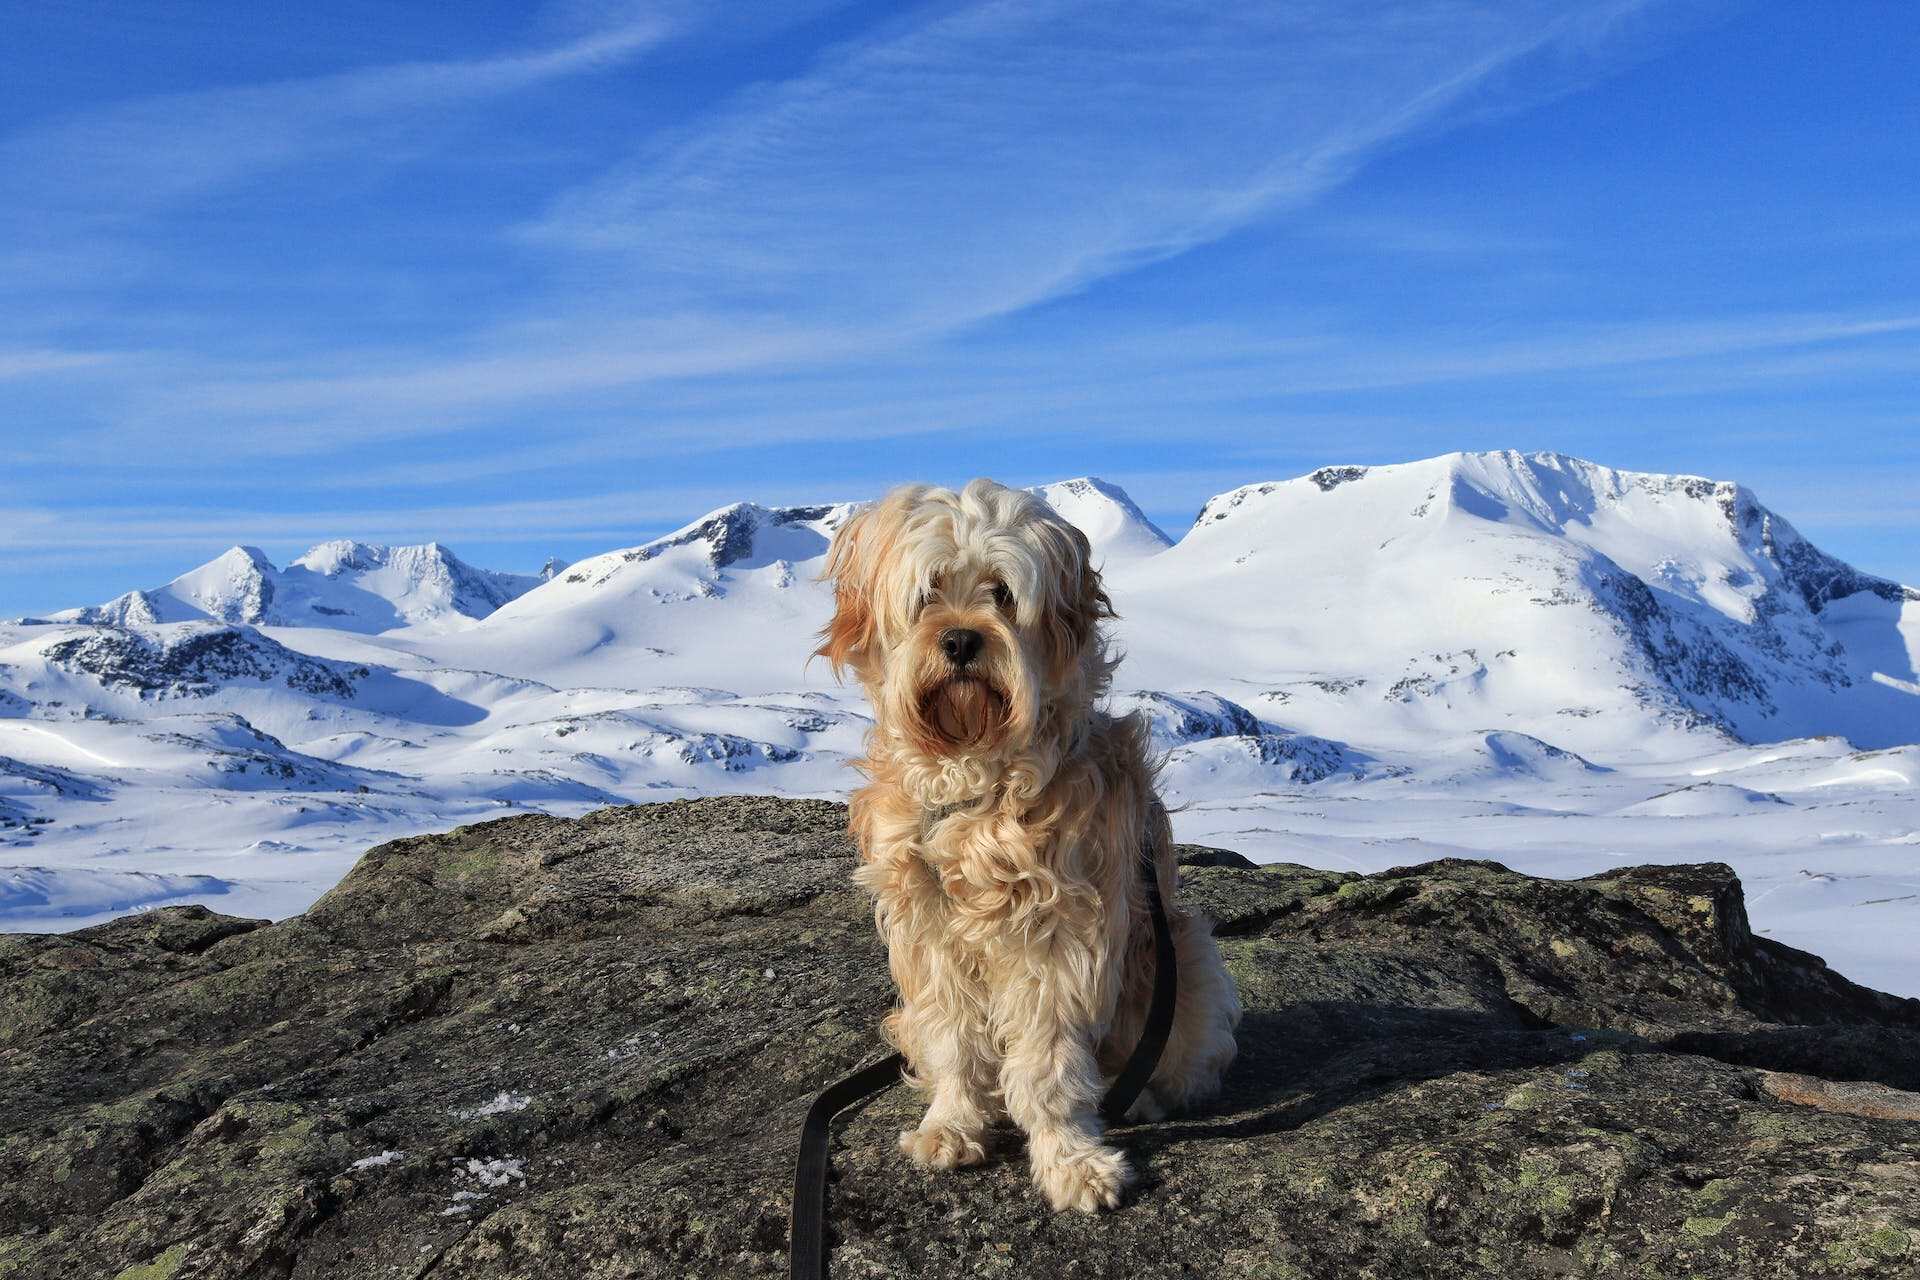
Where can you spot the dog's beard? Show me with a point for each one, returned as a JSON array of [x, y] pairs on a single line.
[[964, 710]]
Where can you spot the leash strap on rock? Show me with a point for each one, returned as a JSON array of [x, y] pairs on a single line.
[[807, 1230], [1153, 1037]]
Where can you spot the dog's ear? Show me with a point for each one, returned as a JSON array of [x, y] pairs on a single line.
[[851, 561], [1079, 603]]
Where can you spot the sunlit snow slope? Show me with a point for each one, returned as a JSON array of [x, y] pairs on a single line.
[[1606, 609]]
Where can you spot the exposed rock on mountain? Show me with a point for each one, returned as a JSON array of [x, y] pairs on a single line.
[[546, 1048], [196, 660], [745, 535], [1178, 720], [1205, 736]]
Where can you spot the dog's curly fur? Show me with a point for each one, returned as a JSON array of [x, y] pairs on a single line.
[[1000, 833]]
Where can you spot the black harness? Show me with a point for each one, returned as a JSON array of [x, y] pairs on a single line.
[[807, 1239]]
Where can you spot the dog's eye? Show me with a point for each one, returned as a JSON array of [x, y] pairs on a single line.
[[1002, 597]]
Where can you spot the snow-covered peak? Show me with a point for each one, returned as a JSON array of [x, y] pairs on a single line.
[[1119, 531], [1549, 490], [344, 556], [1531, 591], [236, 586], [1538, 585], [341, 555], [1522, 656], [693, 560], [384, 587], [745, 535], [736, 590], [342, 584], [1708, 541], [133, 609]]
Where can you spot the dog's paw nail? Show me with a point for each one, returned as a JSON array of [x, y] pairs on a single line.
[[941, 1148], [1089, 1180]]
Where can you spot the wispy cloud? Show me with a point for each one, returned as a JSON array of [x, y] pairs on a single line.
[[606, 520], [116, 162], [29, 362], [1006, 153], [989, 158], [524, 265], [1576, 348], [1160, 381]]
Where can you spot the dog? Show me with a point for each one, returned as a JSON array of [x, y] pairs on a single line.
[[1001, 831]]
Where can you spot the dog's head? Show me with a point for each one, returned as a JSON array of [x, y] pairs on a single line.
[[971, 618]]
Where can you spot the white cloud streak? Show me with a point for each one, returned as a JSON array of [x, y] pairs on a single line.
[[1010, 152], [994, 157], [608, 519], [942, 389], [116, 162], [30, 362], [1158, 382]]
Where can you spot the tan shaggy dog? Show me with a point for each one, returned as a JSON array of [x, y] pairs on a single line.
[[1001, 831]]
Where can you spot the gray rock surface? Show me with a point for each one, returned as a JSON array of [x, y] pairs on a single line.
[[547, 1048]]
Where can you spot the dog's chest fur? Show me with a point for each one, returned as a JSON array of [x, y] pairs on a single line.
[[997, 886], [955, 839]]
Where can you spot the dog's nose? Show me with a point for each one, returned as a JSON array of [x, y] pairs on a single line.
[[960, 645]]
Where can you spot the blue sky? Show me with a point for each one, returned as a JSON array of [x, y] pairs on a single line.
[[555, 280]]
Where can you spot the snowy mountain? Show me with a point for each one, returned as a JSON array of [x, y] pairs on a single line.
[[1529, 657], [342, 585], [720, 601], [716, 601], [1118, 530], [1569, 600]]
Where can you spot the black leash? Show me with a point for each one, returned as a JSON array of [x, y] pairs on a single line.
[[1153, 1037], [807, 1238], [807, 1242]]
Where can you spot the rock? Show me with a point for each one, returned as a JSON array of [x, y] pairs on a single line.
[[1847, 1097], [1205, 855], [550, 1048]]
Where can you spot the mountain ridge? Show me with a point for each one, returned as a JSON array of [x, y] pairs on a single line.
[[1692, 597], [1679, 597], [1105, 511], [1359, 666], [342, 583]]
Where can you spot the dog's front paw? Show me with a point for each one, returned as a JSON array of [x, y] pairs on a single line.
[[1088, 1179], [939, 1146]]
